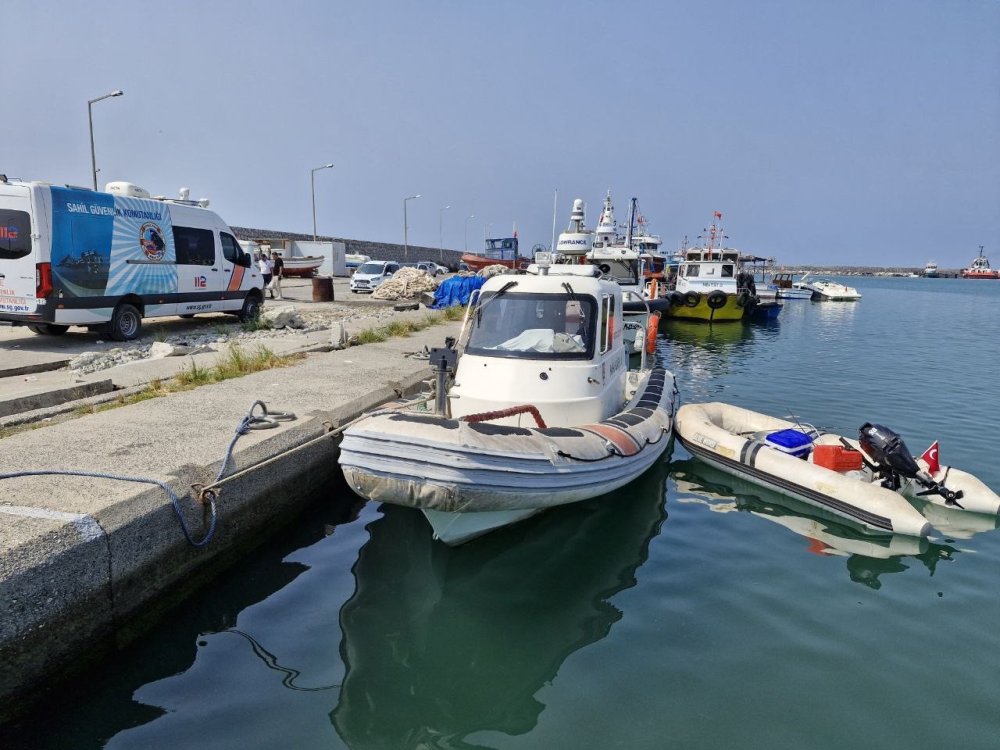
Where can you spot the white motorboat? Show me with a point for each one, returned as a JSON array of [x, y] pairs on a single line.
[[541, 410], [301, 265], [869, 482], [931, 270], [824, 290]]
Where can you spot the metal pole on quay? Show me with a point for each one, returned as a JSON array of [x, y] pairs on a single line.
[[406, 241], [90, 121], [441, 231], [312, 182], [467, 231]]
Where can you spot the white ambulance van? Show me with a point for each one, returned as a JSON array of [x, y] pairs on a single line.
[[105, 260]]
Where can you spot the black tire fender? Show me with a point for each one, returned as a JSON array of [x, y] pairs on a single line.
[[691, 299], [717, 299]]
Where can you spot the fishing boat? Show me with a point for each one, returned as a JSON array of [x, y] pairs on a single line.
[[871, 482], [711, 285], [301, 265], [785, 287], [980, 268], [534, 406], [499, 251]]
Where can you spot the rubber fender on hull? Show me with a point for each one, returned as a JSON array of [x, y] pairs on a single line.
[[691, 299], [717, 299], [676, 299]]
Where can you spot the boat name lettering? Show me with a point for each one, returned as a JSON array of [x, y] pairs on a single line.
[[706, 441]]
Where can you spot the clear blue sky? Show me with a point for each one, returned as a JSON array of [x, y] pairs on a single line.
[[826, 131]]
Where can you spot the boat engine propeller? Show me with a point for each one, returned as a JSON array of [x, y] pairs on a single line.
[[893, 461]]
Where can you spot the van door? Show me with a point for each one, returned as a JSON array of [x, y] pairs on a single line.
[[235, 275], [199, 276], [17, 259]]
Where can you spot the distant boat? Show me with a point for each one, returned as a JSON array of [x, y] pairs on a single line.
[[785, 286], [931, 270], [302, 265], [980, 268], [499, 251]]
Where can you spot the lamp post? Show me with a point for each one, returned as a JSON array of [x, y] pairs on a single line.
[[441, 230], [406, 239], [312, 183], [90, 120], [467, 231]]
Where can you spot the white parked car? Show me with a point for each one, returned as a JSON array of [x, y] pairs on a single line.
[[369, 275]]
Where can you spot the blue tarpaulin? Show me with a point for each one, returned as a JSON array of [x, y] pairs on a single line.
[[456, 291]]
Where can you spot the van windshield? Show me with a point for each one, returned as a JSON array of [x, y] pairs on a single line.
[[15, 234], [372, 268]]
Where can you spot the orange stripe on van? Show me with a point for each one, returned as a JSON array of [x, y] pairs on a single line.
[[236, 279], [621, 439]]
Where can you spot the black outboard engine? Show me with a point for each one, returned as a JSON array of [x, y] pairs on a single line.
[[894, 461]]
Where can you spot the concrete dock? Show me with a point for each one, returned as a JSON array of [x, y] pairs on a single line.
[[88, 563]]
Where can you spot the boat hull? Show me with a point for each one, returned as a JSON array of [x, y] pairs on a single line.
[[723, 436], [479, 262], [497, 474], [701, 310], [305, 265]]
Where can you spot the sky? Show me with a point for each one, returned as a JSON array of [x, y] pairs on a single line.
[[827, 132]]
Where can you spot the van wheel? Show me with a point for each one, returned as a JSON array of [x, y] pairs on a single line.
[[125, 323], [251, 308], [48, 329]]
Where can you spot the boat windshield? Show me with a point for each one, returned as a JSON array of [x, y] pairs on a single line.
[[533, 326]]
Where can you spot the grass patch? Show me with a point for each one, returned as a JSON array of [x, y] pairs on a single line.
[[256, 324], [406, 327]]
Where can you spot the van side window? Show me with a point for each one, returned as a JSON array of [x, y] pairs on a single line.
[[194, 247], [231, 249], [15, 234]]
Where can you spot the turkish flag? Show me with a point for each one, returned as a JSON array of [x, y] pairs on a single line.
[[932, 457]]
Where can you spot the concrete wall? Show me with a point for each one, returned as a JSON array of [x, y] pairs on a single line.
[[376, 250]]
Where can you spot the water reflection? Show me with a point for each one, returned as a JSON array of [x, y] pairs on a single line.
[[867, 557], [440, 643]]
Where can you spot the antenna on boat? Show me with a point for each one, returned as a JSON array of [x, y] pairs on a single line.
[[555, 206]]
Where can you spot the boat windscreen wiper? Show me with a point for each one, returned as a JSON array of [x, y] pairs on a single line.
[[479, 308]]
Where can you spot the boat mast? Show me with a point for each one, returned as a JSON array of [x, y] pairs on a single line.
[[631, 223]]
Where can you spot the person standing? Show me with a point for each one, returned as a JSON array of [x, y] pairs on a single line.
[[264, 264], [278, 271]]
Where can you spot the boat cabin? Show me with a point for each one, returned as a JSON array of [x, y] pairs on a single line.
[[550, 340]]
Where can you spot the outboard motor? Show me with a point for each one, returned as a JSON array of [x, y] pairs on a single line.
[[894, 461]]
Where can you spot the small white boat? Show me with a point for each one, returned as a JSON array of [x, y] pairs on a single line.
[[542, 409], [302, 265], [827, 291], [785, 287], [868, 482]]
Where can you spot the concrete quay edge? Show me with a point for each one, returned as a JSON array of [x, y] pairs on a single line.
[[86, 564]]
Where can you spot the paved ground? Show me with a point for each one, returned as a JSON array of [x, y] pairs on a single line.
[[83, 560]]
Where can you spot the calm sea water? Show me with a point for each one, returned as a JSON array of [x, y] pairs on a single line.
[[686, 610]]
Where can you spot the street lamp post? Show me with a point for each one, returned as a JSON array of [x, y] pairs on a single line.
[[312, 182], [467, 231], [406, 239], [441, 230], [90, 120]]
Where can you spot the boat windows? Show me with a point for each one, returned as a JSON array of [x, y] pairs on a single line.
[[194, 247], [15, 234], [533, 326], [607, 322], [727, 270], [691, 271]]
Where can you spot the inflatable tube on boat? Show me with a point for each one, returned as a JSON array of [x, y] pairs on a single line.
[[716, 299], [431, 462], [732, 439], [691, 299]]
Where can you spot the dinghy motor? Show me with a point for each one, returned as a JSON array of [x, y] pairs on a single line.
[[893, 461]]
